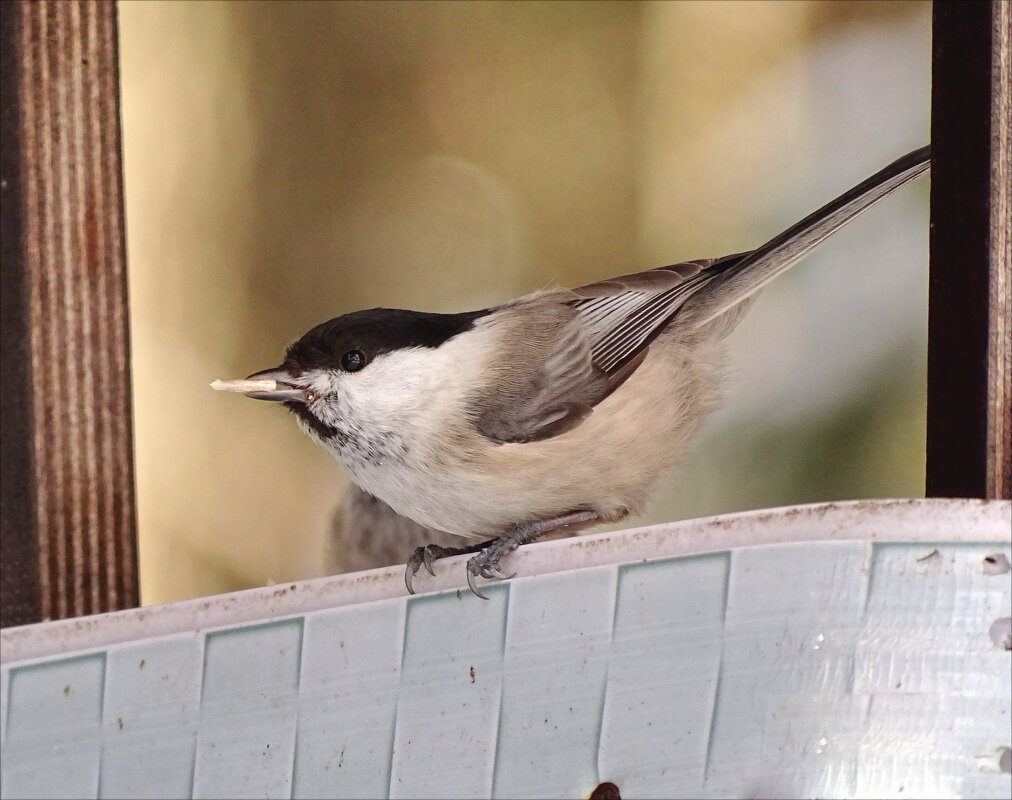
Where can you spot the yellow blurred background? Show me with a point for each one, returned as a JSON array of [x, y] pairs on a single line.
[[289, 162]]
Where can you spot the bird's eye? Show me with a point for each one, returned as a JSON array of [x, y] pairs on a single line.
[[353, 361]]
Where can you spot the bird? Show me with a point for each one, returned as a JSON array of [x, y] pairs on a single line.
[[549, 413]]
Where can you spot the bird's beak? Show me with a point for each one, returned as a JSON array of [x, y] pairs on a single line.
[[285, 390]]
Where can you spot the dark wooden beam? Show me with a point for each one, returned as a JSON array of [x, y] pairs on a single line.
[[68, 527], [969, 436]]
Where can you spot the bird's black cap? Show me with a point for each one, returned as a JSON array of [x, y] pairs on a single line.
[[374, 332]]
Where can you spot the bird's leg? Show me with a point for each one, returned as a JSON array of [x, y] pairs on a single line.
[[424, 556], [490, 553], [486, 563]]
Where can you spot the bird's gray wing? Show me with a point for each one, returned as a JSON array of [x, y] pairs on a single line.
[[572, 349]]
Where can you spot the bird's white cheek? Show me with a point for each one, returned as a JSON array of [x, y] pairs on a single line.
[[392, 389]]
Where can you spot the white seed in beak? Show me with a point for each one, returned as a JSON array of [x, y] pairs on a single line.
[[244, 386]]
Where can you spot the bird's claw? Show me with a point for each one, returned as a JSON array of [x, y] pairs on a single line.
[[421, 557], [485, 564], [473, 586], [424, 556], [496, 573]]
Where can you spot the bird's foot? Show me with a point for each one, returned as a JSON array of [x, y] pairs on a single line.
[[424, 556], [486, 562]]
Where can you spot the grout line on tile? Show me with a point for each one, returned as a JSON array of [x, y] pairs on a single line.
[[403, 620], [296, 704], [508, 588], [101, 723], [729, 566], [615, 583]]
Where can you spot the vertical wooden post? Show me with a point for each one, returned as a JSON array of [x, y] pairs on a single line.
[[969, 437], [68, 523]]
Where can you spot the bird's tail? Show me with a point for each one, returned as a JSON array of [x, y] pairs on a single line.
[[747, 274]]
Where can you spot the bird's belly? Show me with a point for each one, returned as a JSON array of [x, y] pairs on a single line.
[[429, 497], [483, 497]]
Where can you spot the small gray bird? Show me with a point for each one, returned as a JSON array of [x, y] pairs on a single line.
[[559, 410]]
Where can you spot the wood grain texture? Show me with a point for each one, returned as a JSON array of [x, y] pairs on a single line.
[[999, 393], [71, 259], [969, 400]]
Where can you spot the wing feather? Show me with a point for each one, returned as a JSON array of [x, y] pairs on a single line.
[[548, 382], [622, 315]]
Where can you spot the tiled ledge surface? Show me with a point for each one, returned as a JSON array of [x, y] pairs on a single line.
[[832, 650]]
